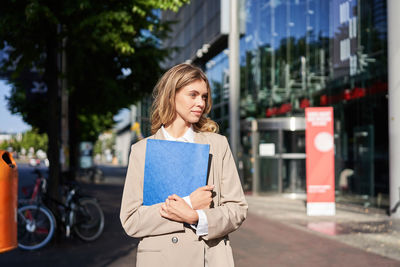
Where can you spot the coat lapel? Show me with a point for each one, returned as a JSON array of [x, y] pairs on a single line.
[[159, 135], [200, 138]]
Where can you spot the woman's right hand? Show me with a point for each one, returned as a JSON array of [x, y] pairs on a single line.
[[201, 198]]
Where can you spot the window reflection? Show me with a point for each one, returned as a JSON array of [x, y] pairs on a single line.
[[301, 53]]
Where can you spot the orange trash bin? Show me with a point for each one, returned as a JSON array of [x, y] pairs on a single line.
[[8, 202]]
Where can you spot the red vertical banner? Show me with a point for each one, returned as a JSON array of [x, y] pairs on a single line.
[[320, 161]]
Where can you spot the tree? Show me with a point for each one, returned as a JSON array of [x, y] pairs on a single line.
[[113, 55], [28, 139]]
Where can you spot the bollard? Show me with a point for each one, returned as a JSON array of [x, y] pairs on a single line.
[[8, 202]]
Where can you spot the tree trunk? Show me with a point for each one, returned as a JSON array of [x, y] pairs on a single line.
[[53, 128], [73, 139]]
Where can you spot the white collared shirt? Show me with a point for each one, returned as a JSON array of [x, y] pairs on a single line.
[[187, 137], [202, 224]]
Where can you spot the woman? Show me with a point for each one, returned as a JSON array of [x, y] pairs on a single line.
[[193, 230]]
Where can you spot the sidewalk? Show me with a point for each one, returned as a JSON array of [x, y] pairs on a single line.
[[373, 231]]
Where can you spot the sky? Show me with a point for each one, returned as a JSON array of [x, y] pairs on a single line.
[[9, 123]]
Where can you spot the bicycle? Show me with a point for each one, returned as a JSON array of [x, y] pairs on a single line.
[[37, 224], [92, 174]]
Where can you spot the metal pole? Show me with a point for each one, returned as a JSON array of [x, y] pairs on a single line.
[[234, 78], [273, 87], [254, 147], [280, 161], [64, 110], [393, 6]]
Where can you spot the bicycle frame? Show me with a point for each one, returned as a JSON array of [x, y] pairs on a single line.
[[71, 209]]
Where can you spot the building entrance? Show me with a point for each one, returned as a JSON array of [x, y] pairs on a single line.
[[274, 155]]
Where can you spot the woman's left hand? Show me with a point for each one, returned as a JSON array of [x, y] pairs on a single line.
[[176, 209]]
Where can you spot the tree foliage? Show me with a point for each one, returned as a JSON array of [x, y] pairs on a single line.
[[31, 138], [101, 39]]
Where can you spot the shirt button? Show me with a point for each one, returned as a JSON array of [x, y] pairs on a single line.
[[174, 240]]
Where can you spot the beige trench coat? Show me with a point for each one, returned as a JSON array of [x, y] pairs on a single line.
[[169, 243]]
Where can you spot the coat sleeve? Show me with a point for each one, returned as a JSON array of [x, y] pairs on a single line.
[[232, 211], [136, 219]]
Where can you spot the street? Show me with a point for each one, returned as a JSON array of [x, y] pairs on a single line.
[[259, 242]]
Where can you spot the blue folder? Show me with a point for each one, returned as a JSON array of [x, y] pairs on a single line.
[[173, 168]]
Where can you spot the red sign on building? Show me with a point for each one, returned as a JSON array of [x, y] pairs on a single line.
[[320, 161]]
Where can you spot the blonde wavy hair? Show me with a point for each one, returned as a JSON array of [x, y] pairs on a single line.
[[163, 108]]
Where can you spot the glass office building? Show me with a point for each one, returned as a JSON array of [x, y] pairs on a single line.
[[310, 53]]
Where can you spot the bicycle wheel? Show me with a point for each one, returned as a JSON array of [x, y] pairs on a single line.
[[89, 220], [36, 227]]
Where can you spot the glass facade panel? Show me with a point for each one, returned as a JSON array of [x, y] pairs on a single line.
[[294, 142], [246, 160], [271, 137], [269, 173], [294, 176], [304, 53], [217, 72]]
